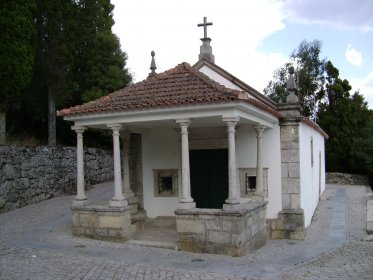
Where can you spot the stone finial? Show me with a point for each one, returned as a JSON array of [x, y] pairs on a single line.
[[206, 49], [292, 86], [153, 66]]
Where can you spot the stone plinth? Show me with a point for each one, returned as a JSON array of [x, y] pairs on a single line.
[[217, 231], [289, 225], [99, 221], [370, 213]]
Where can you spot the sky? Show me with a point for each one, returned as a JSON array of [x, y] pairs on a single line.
[[250, 38]]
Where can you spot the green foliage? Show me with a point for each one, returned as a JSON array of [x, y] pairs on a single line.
[[75, 58], [348, 122], [17, 38], [99, 65], [310, 69]]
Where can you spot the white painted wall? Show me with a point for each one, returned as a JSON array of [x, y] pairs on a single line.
[[246, 158], [160, 150], [312, 185]]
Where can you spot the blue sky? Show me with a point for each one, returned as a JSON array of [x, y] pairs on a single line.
[[250, 38]]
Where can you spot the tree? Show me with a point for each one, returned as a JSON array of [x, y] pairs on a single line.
[[99, 64], [310, 69], [55, 20], [347, 121], [17, 51]]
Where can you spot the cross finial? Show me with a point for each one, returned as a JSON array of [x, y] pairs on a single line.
[[204, 24]]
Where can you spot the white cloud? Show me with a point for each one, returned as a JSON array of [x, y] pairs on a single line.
[[341, 14], [353, 56], [364, 86], [170, 29]]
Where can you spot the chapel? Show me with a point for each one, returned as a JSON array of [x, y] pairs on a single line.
[[198, 144]]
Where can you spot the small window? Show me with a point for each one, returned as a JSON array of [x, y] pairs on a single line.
[[165, 182], [250, 184], [248, 181]]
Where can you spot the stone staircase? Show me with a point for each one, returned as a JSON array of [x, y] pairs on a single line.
[[137, 215]]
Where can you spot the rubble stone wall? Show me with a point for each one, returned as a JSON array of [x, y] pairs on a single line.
[[32, 174], [346, 179]]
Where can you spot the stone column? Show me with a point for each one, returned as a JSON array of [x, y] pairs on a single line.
[[80, 198], [259, 163], [126, 171], [186, 201], [233, 192], [118, 199]]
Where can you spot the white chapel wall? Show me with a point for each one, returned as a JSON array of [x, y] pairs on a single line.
[[218, 78], [312, 169], [161, 150], [246, 158]]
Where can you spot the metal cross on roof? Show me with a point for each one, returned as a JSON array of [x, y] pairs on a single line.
[[204, 24]]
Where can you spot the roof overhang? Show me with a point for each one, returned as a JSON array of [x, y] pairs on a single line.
[[247, 113]]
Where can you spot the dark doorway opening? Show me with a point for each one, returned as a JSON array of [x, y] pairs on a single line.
[[209, 177]]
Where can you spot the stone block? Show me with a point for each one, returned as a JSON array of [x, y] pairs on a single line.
[[369, 199], [106, 221], [294, 201], [290, 156], [233, 226], [370, 227], [290, 185], [219, 237], [289, 145], [294, 170], [289, 133], [286, 202], [290, 225], [191, 226], [87, 219], [284, 170], [215, 224]]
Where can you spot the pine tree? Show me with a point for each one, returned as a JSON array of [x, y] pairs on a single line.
[[16, 52]]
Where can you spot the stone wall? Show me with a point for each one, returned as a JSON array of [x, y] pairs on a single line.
[[216, 231], [32, 174], [346, 179]]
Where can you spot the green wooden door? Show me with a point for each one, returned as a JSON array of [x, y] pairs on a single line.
[[209, 177]]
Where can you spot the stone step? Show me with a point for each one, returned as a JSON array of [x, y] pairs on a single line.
[[139, 216], [156, 244]]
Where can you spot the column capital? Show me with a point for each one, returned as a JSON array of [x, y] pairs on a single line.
[[231, 120], [78, 129], [259, 130], [115, 126], [183, 122]]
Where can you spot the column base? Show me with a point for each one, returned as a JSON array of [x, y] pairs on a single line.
[[232, 201], [118, 203], [80, 202], [186, 200], [128, 193], [290, 225], [186, 205]]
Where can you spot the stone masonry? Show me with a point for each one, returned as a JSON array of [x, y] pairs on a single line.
[[32, 174], [369, 198], [346, 179], [99, 221], [216, 231]]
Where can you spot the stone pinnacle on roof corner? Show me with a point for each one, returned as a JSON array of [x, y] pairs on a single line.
[[206, 49], [153, 66]]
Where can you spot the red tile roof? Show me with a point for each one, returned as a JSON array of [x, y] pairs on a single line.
[[178, 86]]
